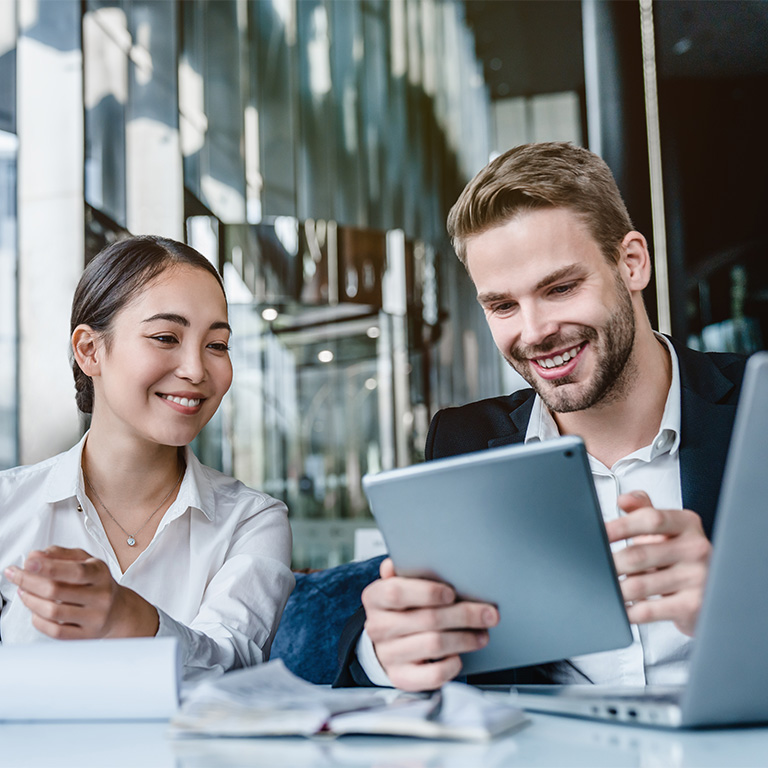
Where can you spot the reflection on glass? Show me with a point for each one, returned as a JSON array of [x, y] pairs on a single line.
[[8, 261], [8, 67], [272, 34], [305, 416], [106, 45]]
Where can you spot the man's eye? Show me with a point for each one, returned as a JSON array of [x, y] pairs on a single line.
[[561, 289], [503, 308]]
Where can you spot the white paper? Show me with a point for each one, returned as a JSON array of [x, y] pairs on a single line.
[[125, 679], [456, 711], [268, 700]]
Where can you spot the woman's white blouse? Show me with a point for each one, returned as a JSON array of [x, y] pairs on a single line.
[[217, 569]]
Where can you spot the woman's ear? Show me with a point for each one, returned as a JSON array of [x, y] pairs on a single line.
[[86, 347]]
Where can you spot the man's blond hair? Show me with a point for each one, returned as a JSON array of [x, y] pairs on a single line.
[[545, 175]]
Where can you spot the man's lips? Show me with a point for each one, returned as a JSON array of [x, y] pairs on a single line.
[[555, 365]]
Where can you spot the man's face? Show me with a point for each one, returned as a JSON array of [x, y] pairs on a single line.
[[560, 314]]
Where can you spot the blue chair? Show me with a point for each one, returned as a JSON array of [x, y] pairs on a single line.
[[307, 639]]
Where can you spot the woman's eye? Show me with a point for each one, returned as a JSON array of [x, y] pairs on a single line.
[[165, 338], [219, 346]]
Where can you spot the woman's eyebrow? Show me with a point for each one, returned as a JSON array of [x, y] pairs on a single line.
[[172, 317]]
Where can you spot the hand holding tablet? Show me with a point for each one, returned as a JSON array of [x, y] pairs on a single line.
[[516, 527]]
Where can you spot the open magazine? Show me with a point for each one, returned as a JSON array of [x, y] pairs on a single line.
[[268, 700]]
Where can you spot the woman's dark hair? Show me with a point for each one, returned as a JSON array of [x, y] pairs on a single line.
[[112, 279]]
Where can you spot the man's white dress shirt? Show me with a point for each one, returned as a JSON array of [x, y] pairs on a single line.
[[217, 568], [659, 652]]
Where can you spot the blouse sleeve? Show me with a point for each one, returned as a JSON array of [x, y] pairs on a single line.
[[243, 601]]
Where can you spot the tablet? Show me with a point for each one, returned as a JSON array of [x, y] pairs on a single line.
[[518, 526]]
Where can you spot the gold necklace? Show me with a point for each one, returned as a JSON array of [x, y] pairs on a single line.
[[132, 537]]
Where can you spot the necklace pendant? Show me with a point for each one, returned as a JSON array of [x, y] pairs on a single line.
[[131, 541]]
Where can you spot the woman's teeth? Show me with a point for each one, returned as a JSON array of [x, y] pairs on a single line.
[[558, 360], [187, 402]]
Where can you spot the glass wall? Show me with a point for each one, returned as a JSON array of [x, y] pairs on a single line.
[[8, 314], [106, 48], [8, 239], [310, 149]]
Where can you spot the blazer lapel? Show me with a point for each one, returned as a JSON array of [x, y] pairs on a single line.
[[519, 418], [706, 425]]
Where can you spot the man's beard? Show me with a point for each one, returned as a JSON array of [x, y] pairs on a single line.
[[614, 370]]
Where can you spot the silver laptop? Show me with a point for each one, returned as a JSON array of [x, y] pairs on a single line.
[[728, 681]]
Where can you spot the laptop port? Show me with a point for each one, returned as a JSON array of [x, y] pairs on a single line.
[[612, 711], [632, 713]]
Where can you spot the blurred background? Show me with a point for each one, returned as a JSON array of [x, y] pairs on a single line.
[[311, 149]]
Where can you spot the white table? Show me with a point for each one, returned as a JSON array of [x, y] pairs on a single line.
[[546, 741]]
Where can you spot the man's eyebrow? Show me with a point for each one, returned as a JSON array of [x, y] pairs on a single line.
[[572, 270], [172, 317], [490, 298]]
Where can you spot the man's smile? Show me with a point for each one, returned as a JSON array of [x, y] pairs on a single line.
[[559, 359]]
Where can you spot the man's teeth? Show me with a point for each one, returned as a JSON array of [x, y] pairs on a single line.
[[187, 402], [558, 360]]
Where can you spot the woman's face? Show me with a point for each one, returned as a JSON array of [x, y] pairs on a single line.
[[167, 365]]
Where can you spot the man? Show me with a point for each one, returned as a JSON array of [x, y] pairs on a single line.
[[559, 272]]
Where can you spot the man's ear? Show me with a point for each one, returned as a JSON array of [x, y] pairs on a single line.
[[87, 349], [635, 261]]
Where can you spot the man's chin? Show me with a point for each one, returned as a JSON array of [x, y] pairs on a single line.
[[562, 396]]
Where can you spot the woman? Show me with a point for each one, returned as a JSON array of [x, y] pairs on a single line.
[[127, 534]]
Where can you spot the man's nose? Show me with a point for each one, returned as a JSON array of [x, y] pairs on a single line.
[[536, 325]]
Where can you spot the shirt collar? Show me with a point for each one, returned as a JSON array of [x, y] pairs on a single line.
[[66, 481], [66, 478], [542, 426], [196, 490]]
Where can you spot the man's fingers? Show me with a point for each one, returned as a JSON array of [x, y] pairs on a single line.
[[651, 521], [428, 676], [385, 625], [429, 646], [399, 594], [663, 582], [679, 550], [387, 568], [682, 608], [633, 500]]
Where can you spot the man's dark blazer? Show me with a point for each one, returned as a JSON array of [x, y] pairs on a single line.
[[710, 384]]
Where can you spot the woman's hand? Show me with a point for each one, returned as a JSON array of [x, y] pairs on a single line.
[[72, 596]]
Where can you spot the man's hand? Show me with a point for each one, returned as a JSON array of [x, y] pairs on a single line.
[[73, 596], [418, 628], [665, 564]]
